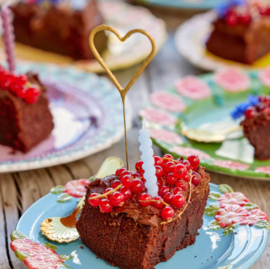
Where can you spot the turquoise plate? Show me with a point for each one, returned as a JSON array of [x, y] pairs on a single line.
[[236, 246], [189, 4]]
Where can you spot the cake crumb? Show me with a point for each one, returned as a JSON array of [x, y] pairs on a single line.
[[195, 256], [81, 247]]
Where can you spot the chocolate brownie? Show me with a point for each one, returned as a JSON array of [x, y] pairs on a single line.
[[256, 129], [61, 28], [135, 236], [24, 125]]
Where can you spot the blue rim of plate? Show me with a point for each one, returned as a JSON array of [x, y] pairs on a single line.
[[111, 130], [185, 4], [241, 248]]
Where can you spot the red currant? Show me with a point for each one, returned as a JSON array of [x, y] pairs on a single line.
[[127, 181], [158, 161], [144, 199], [21, 79], [94, 202], [168, 197], [177, 190], [178, 200], [250, 112], [159, 182], [261, 107], [245, 19], [119, 171], [167, 213], [163, 190], [137, 186], [157, 203], [181, 184], [136, 174], [124, 173], [139, 168], [117, 199], [169, 167], [186, 177], [187, 164], [196, 178], [32, 95], [115, 183], [180, 171], [126, 192], [171, 179], [20, 92], [194, 161], [232, 19], [105, 206], [167, 158], [107, 190], [159, 171]]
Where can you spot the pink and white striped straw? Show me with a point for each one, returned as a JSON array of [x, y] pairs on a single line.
[[8, 36]]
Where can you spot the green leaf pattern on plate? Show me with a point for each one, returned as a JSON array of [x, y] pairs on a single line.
[[263, 224], [250, 206], [51, 246], [214, 196], [211, 210], [214, 225], [224, 188], [230, 229], [57, 189], [63, 198], [17, 235]]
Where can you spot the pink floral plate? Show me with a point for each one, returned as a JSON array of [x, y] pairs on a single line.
[[85, 119], [234, 234], [193, 117]]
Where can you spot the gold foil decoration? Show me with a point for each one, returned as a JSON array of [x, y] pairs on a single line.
[[122, 91]]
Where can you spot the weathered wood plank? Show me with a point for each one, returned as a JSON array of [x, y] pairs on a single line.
[[10, 200]]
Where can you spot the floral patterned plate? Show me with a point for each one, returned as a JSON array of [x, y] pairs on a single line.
[[123, 17], [85, 121], [190, 39], [199, 108], [189, 4], [234, 235]]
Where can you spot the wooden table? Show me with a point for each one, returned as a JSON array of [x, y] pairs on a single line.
[[18, 191]]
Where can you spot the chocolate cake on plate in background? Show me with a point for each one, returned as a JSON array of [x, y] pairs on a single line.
[[241, 31], [61, 27], [25, 118], [127, 227]]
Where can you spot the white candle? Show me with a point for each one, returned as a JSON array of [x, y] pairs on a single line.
[[148, 160]]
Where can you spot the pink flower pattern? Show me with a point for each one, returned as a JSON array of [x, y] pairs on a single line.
[[231, 164], [232, 79], [40, 256], [182, 151], [233, 198], [157, 116], [254, 216], [231, 214], [170, 102], [193, 88], [166, 136], [263, 169], [76, 188]]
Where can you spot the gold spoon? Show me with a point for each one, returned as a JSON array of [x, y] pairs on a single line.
[[63, 230]]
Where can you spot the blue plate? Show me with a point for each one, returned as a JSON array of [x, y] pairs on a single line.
[[189, 4], [213, 249]]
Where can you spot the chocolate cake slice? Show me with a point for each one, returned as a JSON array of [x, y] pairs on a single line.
[[256, 127], [241, 33], [135, 234], [25, 120], [61, 27]]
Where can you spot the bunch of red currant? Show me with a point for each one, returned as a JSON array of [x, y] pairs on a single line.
[[263, 105], [121, 189], [19, 86], [172, 175]]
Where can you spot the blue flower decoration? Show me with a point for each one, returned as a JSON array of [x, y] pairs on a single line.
[[223, 7], [240, 109]]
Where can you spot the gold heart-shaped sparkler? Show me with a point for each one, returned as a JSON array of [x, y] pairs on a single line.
[[122, 91]]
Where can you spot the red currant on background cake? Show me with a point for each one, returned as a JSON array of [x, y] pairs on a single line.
[[94, 202], [105, 206], [145, 199], [167, 212], [194, 162]]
